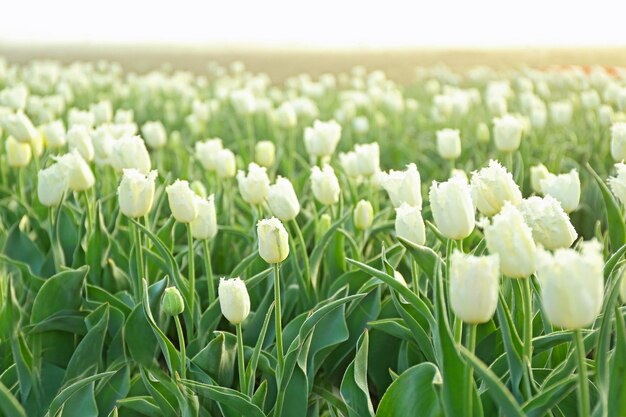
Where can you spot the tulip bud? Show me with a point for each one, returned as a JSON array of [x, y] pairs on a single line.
[[182, 201], [18, 153], [363, 215], [410, 225], [538, 173], [51, 185], [325, 185], [78, 138], [136, 192], [273, 240], [130, 152], [19, 126], [54, 134], [79, 175], [510, 237], [482, 132], [367, 159], [551, 226], [403, 186], [618, 141], [234, 300], [323, 225], [449, 143], [154, 134], [206, 152], [254, 186], [322, 139], [225, 165], [283, 200], [205, 224], [452, 208], [349, 164], [572, 285], [361, 125], [243, 101], [172, 303], [474, 284], [507, 133], [265, 153], [36, 144], [491, 187], [564, 187]]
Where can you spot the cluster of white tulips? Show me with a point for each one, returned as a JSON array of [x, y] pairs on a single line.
[[307, 203]]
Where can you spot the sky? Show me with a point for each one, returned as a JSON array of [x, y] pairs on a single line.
[[318, 24]]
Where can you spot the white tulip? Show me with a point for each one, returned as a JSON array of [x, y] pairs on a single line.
[[474, 282], [234, 300], [349, 164], [205, 224], [54, 134], [561, 112], [403, 186], [510, 237], [507, 133], [452, 208], [410, 224], [225, 165], [130, 152], [154, 134], [325, 185], [363, 215], [449, 143], [551, 226], [79, 175], [19, 126], [51, 185], [265, 153], [243, 101], [572, 285], [255, 185], [367, 159], [206, 152], [285, 115], [491, 187], [273, 240], [18, 153], [564, 187], [136, 192], [80, 117], [283, 200], [78, 138], [618, 141], [537, 173], [182, 202], [102, 112], [103, 143], [321, 140]]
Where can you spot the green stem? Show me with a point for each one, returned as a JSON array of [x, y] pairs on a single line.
[[583, 382], [240, 361], [301, 242], [191, 274], [57, 252], [90, 223], [528, 332], [140, 266], [508, 157], [279, 328], [181, 343], [20, 184], [415, 276], [470, 342], [208, 271]]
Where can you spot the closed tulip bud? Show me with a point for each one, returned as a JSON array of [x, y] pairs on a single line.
[[79, 175], [205, 224], [36, 144], [18, 153], [349, 164], [273, 240], [51, 185], [449, 143], [491, 187], [136, 193], [507, 133], [321, 140], [572, 285], [363, 215], [265, 153], [198, 188], [551, 226], [172, 303], [403, 186], [510, 237], [538, 173], [361, 125], [482, 132], [78, 138], [367, 159], [564, 187], [323, 226], [285, 115], [283, 200], [618, 141], [234, 300], [182, 201], [130, 152], [225, 165], [19, 126], [154, 134], [452, 208], [206, 152], [410, 225], [54, 134], [325, 185], [474, 282], [254, 186]]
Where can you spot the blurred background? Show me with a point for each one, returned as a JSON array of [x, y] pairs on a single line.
[[283, 37]]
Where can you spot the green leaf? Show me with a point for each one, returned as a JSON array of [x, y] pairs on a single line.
[[72, 389], [9, 405], [615, 220], [617, 387], [217, 359], [354, 389], [413, 392], [425, 257], [318, 251], [547, 399], [227, 397]]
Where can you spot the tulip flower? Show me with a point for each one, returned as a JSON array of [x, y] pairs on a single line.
[[130, 152], [265, 153], [54, 134], [507, 133], [449, 143], [51, 185], [321, 140], [154, 134], [403, 186], [410, 225], [325, 185], [282, 200], [363, 215], [255, 185], [564, 187], [19, 126], [367, 159], [225, 165], [78, 138], [173, 305], [349, 164], [618, 141], [551, 226], [452, 208], [18, 153], [537, 173], [204, 228], [492, 187], [136, 192], [206, 152]]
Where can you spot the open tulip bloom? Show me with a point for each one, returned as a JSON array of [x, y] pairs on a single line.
[[361, 251]]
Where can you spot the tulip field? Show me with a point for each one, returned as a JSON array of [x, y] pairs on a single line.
[[335, 245]]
